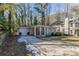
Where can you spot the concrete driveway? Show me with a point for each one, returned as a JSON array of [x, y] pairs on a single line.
[[48, 48], [29, 39]]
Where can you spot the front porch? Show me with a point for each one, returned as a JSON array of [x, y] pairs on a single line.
[[42, 30], [38, 30]]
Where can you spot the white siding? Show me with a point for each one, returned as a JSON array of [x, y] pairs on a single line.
[[66, 26], [23, 30]]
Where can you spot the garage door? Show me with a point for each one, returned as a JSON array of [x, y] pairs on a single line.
[[23, 30]]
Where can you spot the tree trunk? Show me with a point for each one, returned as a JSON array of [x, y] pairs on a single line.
[[43, 18], [9, 20]]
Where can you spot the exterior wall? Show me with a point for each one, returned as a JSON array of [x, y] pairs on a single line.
[[62, 29], [66, 26], [31, 31], [71, 27], [58, 28]]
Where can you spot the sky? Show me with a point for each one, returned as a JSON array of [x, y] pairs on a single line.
[[59, 7], [54, 7]]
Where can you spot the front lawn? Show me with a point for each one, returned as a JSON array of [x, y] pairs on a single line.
[[70, 40]]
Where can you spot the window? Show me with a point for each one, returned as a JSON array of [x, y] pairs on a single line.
[[77, 24], [71, 24], [42, 32], [71, 31], [78, 19]]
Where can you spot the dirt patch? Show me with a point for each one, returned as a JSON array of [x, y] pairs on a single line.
[[11, 47]]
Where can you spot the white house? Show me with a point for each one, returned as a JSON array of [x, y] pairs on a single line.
[[37, 30], [71, 26]]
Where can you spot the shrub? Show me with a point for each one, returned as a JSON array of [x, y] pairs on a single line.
[[56, 34], [67, 35], [52, 34]]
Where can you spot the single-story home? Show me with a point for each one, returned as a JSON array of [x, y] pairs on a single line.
[[37, 30]]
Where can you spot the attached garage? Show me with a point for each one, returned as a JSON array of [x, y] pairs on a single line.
[[23, 30], [38, 30]]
